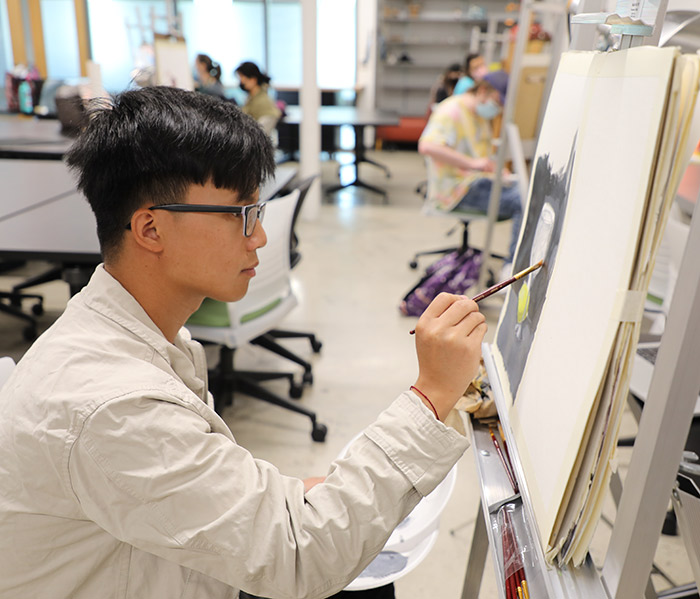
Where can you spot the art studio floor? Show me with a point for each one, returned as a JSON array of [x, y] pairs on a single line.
[[353, 273]]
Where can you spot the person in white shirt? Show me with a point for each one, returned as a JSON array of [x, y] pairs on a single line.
[[117, 477]]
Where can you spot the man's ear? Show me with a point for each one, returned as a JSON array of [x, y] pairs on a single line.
[[145, 232]]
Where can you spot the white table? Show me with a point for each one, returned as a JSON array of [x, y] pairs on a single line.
[[46, 218]]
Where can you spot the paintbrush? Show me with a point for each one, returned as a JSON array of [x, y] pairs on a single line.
[[498, 286], [506, 466]]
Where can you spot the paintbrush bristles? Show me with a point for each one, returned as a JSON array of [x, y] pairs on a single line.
[[528, 270]]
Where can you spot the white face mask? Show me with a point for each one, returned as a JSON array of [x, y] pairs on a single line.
[[488, 110]]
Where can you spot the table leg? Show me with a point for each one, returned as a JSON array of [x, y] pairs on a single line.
[[360, 157], [477, 558]]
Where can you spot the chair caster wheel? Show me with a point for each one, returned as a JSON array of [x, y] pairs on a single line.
[[29, 333], [308, 378], [413, 264], [316, 346], [318, 434], [295, 391], [38, 309]]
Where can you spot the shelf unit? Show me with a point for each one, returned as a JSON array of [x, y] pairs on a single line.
[[417, 40]]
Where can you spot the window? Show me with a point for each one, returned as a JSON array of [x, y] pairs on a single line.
[[6, 62], [121, 37], [60, 39], [268, 32]]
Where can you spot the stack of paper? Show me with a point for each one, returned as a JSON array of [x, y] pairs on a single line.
[[610, 154]]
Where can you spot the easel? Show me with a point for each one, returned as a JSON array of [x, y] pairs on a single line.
[[663, 429]]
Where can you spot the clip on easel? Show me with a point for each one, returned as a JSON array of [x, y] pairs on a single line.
[[657, 453]]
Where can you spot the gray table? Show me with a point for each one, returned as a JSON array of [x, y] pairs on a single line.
[[24, 137], [358, 118]]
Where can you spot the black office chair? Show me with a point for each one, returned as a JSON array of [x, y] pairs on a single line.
[[269, 339], [11, 303], [463, 219]]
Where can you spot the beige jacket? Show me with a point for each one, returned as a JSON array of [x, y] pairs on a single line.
[[118, 479]]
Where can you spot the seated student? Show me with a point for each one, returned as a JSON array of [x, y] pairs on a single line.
[[117, 477], [475, 68], [256, 84], [208, 76], [457, 139], [445, 84]]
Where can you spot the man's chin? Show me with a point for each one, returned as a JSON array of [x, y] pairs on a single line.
[[230, 296]]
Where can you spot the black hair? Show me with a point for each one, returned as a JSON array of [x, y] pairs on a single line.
[[147, 146], [468, 60], [250, 69], [214, 68], [455, 66]]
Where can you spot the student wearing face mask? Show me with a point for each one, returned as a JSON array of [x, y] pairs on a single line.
[[475, 69], [259, 105], [457, 141], [445, 84]]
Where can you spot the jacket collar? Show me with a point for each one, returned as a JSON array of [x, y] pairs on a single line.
[[106, 295]]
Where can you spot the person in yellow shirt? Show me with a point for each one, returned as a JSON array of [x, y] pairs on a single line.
[[458, 140]]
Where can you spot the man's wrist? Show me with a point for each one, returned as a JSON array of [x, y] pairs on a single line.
[[426, 400], [435, 399]]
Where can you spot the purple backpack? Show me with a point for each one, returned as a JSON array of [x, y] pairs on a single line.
[[453, 273]]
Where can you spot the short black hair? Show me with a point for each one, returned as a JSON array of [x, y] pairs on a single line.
[[148, 146]]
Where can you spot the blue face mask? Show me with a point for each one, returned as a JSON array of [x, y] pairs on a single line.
[[488, 110]]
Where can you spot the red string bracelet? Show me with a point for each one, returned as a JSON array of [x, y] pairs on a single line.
[[425, 397]]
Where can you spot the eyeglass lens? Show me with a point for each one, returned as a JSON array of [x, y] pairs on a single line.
[[253, 214]]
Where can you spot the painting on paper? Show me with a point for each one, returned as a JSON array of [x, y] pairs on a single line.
[[539, 241]]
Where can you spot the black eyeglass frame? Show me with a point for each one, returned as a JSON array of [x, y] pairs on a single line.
[[257, 209]]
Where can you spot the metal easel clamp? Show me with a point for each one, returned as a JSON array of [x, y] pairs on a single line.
[[633, 31]]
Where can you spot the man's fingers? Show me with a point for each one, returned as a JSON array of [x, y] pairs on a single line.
[[439, 305], [458, 311], [471, 322]]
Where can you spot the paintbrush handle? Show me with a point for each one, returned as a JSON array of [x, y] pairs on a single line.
[[510, 475], [498, 286]]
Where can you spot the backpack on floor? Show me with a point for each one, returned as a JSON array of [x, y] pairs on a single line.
[[454, 273]]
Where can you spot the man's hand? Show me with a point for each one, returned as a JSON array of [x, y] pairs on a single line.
[[448, 344]]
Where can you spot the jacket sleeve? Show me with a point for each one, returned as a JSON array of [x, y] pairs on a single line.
[[154, 475]]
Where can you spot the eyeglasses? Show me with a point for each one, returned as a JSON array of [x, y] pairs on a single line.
[[251, 213]]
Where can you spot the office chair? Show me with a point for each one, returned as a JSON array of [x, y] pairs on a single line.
[[11, 303], [268, 301], [464, 217], [268, 339]]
